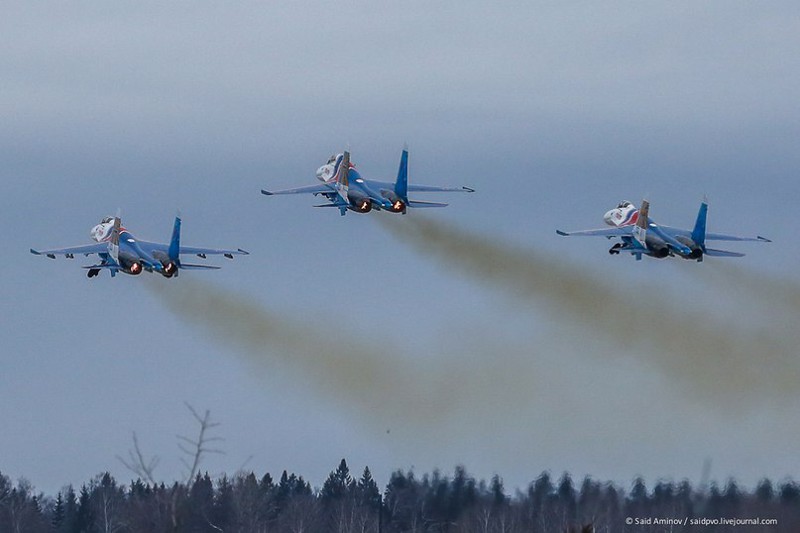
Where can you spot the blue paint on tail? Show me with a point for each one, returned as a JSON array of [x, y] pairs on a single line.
[[401, 185], [699, 231], [175, 241]]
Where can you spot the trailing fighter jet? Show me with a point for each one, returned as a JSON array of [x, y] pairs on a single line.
[[119, 251], [344, 187], [641, 236]]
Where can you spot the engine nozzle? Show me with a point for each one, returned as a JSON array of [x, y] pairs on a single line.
[[362, 205], [661, 252], [170, 269], [396, 203]]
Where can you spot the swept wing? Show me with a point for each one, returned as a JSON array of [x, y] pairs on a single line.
[[602, 232], [88, 249], [712, 236], [320, 188], [417, 188], [150, 247]]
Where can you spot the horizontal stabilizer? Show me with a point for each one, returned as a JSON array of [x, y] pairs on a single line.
[[722, 253], [327, 205], [185, 266], [418, 203]]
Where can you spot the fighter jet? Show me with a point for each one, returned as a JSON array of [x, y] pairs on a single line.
[[640, 236], [120, 251], [345, 189]]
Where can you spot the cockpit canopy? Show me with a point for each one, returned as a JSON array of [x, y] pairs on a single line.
[[623, 205], [331, 160], [107, 220]]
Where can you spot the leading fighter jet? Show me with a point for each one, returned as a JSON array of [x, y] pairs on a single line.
[[344, 187], [119, 251], [639, 235]]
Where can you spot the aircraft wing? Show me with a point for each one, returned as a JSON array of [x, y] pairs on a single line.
[[602, 232], [721, 237], [211, 251], [433, 188], [712, 236], [88, 249], [150, 247], [417, 188], [320, 188]]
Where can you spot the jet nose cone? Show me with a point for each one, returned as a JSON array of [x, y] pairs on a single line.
[[609, 217]]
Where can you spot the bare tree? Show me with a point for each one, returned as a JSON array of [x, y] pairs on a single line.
[[108, 500], [137, 464], [193, 450]]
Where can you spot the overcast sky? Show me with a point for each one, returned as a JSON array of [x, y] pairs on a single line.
[[552, 112]]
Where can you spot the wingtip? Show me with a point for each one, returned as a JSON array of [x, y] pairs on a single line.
[[34, 252], [264, 191], [562, 233], [243, 252], [763, 239], [468, 189]]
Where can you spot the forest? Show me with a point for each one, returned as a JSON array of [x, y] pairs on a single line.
[[434, 502]]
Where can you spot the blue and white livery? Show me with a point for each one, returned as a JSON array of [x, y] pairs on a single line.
[[120, 251], [345, 189], [640, 236]]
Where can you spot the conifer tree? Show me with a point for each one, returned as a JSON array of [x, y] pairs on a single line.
[[58, 512], [84, 519], [338, 483], [369, 493]]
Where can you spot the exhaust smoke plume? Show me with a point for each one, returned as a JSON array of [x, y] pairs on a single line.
[[771, 292], [513, 400], [367, 375], [724, 366], [717, 362]]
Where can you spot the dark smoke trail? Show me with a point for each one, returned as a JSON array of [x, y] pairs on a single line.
[[386, 386], [769, 291], [713, 361]]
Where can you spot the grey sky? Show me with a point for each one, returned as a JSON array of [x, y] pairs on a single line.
[[553, 113]]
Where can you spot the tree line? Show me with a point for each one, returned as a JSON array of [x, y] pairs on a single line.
[[409, 503]]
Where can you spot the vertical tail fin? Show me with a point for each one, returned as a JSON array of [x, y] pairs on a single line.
[[699, 231], [401, 185], [113, 245], [175, 241], [642, 223], [644, 213], [342, 182], [342, 175]]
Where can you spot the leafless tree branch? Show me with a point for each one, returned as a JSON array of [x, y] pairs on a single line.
[[193, 450], [199, 447], [137, 464]]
